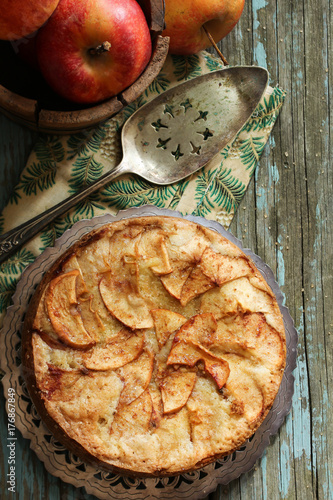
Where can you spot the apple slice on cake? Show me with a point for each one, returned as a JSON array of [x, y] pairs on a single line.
[[136, 377], [125, 347], [121, 296], [222, 268], [166, 322], [134, 417], [152, 250], [176, 387], [188, 348], [62, 308], [184, 254]]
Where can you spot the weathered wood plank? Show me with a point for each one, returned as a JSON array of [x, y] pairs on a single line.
[[291, 194], [15, 145]]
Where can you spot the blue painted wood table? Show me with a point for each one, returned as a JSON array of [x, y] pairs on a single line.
[[286, 218]]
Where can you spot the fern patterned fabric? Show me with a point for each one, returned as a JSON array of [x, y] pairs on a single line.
[[61, 165]]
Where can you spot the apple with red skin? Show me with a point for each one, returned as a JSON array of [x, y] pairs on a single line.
[[20, 18], [90, 50], [186, 19]]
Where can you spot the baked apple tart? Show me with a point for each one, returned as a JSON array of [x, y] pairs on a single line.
[[153, 346]]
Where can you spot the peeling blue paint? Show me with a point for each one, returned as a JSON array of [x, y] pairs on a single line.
[[261, 198], [301, 412], [259, 51], [274, 174], [280, 274], [284, 469], [301, 407], [263, 465], [257, 5], [280, 270], [272, 179], [260, 54], [320, 444]]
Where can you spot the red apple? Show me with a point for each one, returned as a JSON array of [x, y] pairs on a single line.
[[91, 50], [185, 21], [20, 18]]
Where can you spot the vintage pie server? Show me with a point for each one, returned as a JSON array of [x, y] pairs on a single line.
[[171, 137]]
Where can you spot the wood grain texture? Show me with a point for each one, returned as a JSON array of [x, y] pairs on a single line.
[[16, 143], [285, 217]]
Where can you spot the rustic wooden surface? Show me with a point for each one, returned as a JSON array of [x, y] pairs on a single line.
[[284, 218]]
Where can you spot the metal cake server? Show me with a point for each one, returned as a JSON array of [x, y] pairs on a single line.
[[170, 138]]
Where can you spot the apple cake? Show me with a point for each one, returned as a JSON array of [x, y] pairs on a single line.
[[153, 346]]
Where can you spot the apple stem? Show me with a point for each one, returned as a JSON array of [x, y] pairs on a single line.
[[212, 41], [104, 47]]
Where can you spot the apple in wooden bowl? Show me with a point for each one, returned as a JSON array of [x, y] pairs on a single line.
[[45, 102], [194, 25], [20, 18]]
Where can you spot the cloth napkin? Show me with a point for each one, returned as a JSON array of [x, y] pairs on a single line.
[[61, 165]]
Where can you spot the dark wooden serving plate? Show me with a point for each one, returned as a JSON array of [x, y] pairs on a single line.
[[27, 99]]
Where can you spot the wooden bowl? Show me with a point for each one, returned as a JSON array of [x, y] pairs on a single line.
[[27, 99]]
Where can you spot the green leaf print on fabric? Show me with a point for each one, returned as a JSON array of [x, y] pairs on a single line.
[[159, 85], [15, 196], [220, 188], [265, 114], [203, 182], [38, 177], [17, 263], [86, 142], [85, 171], [225, 152], [180, 189], [41, 174], [228, 190], [49, 149], [250, 152], [86, 208], [132, 191], [186, 67], [48, 238], [213, 63]]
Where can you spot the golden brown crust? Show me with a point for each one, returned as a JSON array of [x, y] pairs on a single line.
[[153, 346]]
